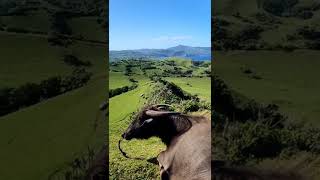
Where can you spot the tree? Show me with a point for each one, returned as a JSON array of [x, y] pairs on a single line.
[[51, 87], [26, 95]]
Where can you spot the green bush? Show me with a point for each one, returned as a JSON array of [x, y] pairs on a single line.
[[190, 106], [118, 91], [74, 61], [50, 87], [242, 142], [78, 78]]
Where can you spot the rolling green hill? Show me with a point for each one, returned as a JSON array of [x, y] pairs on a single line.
[[287, 79], [150, 92], [46, 138], [265, 59], [196, 86], [118, 80], [120, 109]]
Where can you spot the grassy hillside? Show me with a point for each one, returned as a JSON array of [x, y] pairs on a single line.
[[118, 80], [46, 138], [287, 79], [51, 134], [20, 65], [149, 91], [195, 86], [265, 63], [120, 109]]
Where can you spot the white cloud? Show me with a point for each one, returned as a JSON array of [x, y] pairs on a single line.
[[172, 38]]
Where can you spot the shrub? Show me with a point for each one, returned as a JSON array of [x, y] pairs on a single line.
[[309, 32], [242, 142], [50, 87], [74, 61], [27, 94], [118, 91], [56, 39], [12, 99], [78, 78], [6, 103], [190, 106], [246, 70], [132, 80], [305, 14]]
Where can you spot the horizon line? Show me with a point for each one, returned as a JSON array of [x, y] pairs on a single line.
[[158, 48]]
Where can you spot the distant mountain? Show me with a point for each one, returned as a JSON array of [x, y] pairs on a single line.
[[194, 53]]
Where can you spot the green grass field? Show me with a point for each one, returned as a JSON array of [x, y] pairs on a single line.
[[118, 80], [120, 108], [289, 80], [195, 86], [20, 65]]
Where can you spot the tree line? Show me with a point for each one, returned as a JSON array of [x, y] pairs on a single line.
[[13, 99], [118, 91]]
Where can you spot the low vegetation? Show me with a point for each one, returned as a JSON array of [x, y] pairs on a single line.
[[118, 91], [74, 61]]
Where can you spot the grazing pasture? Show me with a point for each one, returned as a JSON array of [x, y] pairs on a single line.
[[118, 80], [289, 80], [122, 107], [195, 85]]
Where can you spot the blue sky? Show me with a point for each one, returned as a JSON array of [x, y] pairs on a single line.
[[136, 24]]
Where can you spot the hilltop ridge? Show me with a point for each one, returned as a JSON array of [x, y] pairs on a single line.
[[193, 53]]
